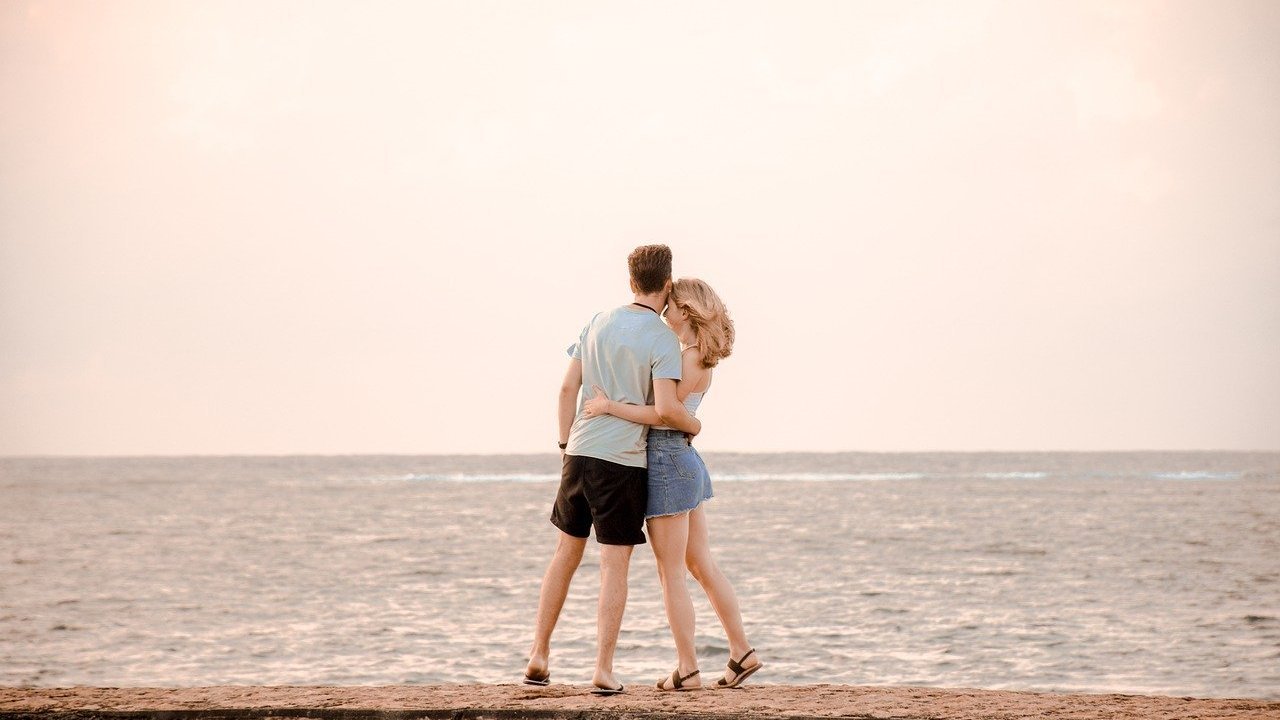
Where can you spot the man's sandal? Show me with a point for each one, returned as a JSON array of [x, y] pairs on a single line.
[[541, 680], [677, 682], [739, 673]]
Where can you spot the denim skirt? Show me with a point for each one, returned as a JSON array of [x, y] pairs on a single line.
[[678, 479]]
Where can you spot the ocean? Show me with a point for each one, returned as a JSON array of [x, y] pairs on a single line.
[[1151, 572]]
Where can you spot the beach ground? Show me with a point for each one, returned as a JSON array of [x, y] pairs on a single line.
[[401, 702]]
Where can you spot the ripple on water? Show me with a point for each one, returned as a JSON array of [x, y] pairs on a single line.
[[971, 576]]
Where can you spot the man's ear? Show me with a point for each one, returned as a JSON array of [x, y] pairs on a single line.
[[635, 288], [666, 287]]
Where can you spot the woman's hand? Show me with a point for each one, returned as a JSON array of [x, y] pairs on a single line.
[[598, 405]]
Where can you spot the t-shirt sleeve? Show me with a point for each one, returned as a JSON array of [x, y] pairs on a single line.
[[575, 350], [666, 358]]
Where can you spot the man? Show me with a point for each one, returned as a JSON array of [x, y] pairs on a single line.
[[635, 357]]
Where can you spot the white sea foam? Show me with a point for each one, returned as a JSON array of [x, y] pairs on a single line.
[[482, 477], [1197, 475], [814, 476]]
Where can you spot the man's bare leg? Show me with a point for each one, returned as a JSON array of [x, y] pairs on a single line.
[[555, 588], [615, 561]]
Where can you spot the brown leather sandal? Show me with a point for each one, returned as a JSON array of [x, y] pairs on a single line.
[[677, 682], [739, 673]]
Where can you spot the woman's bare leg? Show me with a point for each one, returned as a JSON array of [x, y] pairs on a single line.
[[669, 536], [719, 591]]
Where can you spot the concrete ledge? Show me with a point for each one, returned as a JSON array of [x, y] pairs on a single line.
[[510, 702]]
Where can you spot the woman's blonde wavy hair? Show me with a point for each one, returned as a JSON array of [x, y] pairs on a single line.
[[708, 317]]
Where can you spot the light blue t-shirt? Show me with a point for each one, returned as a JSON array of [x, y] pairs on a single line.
[[622, 350]]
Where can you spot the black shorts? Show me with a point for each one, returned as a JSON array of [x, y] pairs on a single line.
[[605, 494]]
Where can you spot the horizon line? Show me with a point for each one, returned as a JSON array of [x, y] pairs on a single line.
[[176, 456]]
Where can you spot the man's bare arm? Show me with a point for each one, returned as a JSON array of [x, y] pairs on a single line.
[[671, 410], [569, 388]]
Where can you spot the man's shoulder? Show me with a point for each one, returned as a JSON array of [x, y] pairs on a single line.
[[595, 319], [646, 327], [663, 333], [625, 315], [604, 315]]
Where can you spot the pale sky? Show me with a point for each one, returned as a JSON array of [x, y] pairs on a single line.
[[330, 227]]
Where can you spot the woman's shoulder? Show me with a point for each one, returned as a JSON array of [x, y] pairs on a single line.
[[691, 360], [693, 353]]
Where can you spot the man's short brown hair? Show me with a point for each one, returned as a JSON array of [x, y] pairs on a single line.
[[650, 267]]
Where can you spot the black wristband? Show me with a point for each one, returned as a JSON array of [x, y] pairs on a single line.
[[563, 445]]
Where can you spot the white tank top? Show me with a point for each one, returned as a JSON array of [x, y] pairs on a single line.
[[691, 403]]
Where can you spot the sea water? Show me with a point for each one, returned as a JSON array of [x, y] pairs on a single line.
[[1127, 572]]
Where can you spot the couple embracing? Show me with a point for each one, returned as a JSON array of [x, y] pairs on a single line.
[[628, 463]]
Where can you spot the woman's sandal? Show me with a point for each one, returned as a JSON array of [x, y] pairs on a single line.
[[739, 673], [677, 682]]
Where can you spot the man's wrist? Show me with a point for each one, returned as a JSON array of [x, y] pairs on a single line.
[[563, 445]]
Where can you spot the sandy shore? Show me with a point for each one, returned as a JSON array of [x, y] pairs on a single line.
[[566, 701]]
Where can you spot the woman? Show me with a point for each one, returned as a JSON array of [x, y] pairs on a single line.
[[679, 482]]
